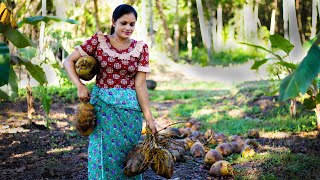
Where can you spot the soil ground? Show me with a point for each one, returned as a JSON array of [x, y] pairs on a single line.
[[34, 152]]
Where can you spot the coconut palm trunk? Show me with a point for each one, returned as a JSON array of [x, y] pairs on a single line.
[[189, 36], [176, 33], [314, 19], [204, 28]]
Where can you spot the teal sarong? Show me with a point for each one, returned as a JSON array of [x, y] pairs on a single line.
[[119, 124]]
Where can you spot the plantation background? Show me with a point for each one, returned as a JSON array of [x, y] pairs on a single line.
[[214, 61]]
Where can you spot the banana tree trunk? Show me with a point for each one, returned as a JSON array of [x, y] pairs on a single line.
[[293, 107]]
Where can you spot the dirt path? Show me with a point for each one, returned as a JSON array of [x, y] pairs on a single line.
[[166, 69]]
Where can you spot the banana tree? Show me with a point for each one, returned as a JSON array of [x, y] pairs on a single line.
[[278, 42], [8, 78], [305, 80]]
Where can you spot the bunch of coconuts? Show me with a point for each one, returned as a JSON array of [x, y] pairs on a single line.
[[154, 151], [85, 119], [198, 143]]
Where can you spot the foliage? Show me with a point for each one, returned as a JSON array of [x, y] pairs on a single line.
[[300, 80]]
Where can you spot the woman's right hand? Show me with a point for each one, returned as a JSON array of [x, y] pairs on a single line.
[[83, 93]]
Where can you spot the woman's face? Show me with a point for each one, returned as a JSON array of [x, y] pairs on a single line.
[[124, 26]]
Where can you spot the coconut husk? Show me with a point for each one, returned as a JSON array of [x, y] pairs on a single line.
[[197, 149], [209, 134], [86, 67], [162, 163], [185, 132], [221, 168], [172, 132], [237, 146], [247, 151], [253, 143], [212, 156], [253, 133], [137, 161], [235, 138], [85, 118], [220, 138], [225, 149]]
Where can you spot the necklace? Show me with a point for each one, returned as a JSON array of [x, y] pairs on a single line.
[[120, 45]]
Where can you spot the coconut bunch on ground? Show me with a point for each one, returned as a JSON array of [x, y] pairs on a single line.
[[199, 145], [84, 118], [159, 151]]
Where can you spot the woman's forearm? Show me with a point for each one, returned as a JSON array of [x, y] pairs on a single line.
[[143, 99]]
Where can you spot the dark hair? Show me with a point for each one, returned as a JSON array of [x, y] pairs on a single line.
[[120, 11]]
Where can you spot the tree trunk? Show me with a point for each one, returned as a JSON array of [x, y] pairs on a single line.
[[189, 36], [30, 102], [314, 19], [203, 26], [273, 18], [219, 45], [165, 26], [143, 32], [294, 36], [256, 21], [151, 23], [298, 10], [96, 15], [176, 33], [205, 29], [293, 108], [285, 19]]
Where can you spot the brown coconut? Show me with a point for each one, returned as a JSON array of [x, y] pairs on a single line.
[[212, 156], [85, 118], [137, 161], [197, 149], [220, 138], [185, 132], [252, 142], [86, 67], [237, 146], [235, 138], [209, 134], [196, 126], [253, 133], [247, 151], [221, 168], [225, 149], [162, 163], [172, 132]]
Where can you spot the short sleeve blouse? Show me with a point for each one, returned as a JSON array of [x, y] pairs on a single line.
[[117, 68]]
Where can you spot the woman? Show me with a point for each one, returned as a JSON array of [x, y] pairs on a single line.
[[119, 96]]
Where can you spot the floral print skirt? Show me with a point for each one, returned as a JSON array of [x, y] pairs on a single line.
[[118, 130]]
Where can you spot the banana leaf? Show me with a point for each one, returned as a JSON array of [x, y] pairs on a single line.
[[35, 71], [34, 20], [4, 64], [300, 80], [281, 43]]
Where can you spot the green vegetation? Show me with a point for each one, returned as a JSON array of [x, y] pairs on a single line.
[[225, 58]]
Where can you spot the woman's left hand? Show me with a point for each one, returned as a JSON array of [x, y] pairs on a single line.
[[152, 126]]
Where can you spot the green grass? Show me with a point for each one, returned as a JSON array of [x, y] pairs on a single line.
[[278, 165]]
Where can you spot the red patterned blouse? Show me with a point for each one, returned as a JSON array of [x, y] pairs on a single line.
[[117, 68]]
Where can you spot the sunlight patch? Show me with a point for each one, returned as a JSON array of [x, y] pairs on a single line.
[[21, 155], [58, 150]]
